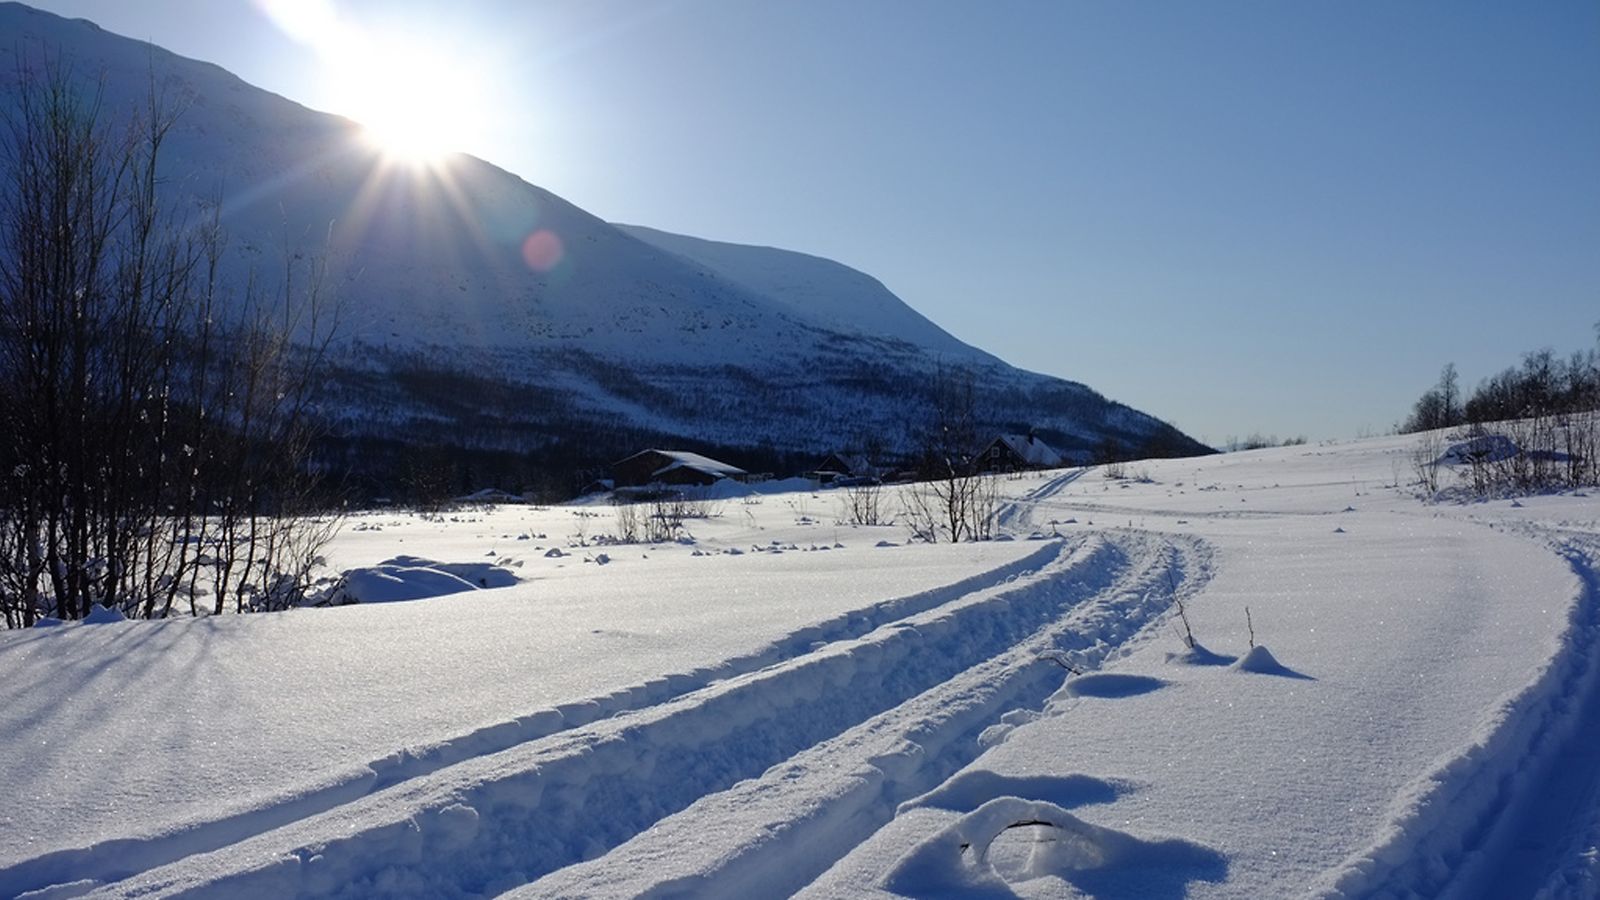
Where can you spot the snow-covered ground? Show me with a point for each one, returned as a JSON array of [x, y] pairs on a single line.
[[781, 704]]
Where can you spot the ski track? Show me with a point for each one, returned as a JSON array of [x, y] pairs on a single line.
[[508, 818], [1517, 812], [857, 783], [827, 735], [119, 858], [1513, 814], [1546, 844], [1019, 513]]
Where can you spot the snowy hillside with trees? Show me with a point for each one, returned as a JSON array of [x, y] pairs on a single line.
[[280, 615], [481, 313], [1271, 673]]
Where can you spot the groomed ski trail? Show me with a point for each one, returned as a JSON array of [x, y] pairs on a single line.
[[818, 805], [512, 816], [1513, 814], [119, 858]]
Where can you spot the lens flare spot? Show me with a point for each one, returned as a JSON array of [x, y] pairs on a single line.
[[543, 251]]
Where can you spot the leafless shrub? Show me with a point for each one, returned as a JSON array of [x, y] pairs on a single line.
[[154, 432], [690, 506], [861, 504], [628, 528], [663, 520], [1425, 460], [1183, 616], [957, 501], [983, 504]]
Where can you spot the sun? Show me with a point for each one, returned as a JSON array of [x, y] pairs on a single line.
[[421, 91], [414, 103]]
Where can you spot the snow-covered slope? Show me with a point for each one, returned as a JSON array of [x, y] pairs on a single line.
[[563, 323], [833, 296]]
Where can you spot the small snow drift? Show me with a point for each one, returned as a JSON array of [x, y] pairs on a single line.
[[415, 578], [973, 857], [968, 790], [1484, 448], [99, 615], [1198, 655], [1110, 685], [1260, 661]]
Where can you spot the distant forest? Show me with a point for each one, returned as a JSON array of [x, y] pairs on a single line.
[[1531, 428], [1544, 385]]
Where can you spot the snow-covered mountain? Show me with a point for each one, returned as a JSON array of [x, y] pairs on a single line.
[[832, 296], [483, 311]]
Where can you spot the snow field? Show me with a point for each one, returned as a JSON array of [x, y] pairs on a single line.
[[780, 830], [638, 767], [1397, 666], [785, 706], [278, 717], [1533, 785], [1418, 634]]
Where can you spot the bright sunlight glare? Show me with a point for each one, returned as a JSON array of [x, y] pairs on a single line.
[[415, 102]]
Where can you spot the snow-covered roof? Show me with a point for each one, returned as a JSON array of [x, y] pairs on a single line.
[[683, 459], [1031, 450], [488, 495]]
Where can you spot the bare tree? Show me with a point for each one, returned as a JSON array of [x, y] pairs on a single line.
[[1426, 460], [1449, 389], [155, 432], [862, 504], [957, 500], [1439, 407], [627, 520]]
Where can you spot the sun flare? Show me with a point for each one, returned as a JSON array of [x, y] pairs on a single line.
[[418, 95], [413, 104]]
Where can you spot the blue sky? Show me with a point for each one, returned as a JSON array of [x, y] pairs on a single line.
[[1239, 216]]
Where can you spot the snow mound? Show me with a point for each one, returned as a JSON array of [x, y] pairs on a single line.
[[1198, 655], [968, 790], [1484, 448], [974, 856], [1260, 661], [728, 489], [1111, 685], [99, 615], [415, 578]]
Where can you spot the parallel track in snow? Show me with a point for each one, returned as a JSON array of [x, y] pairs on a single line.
[[801, 816], [926, 678], [119, 858]]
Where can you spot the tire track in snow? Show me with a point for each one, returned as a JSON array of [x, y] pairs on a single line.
[[504, 819], [120, 858], [1497, 820], [805, 814]]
